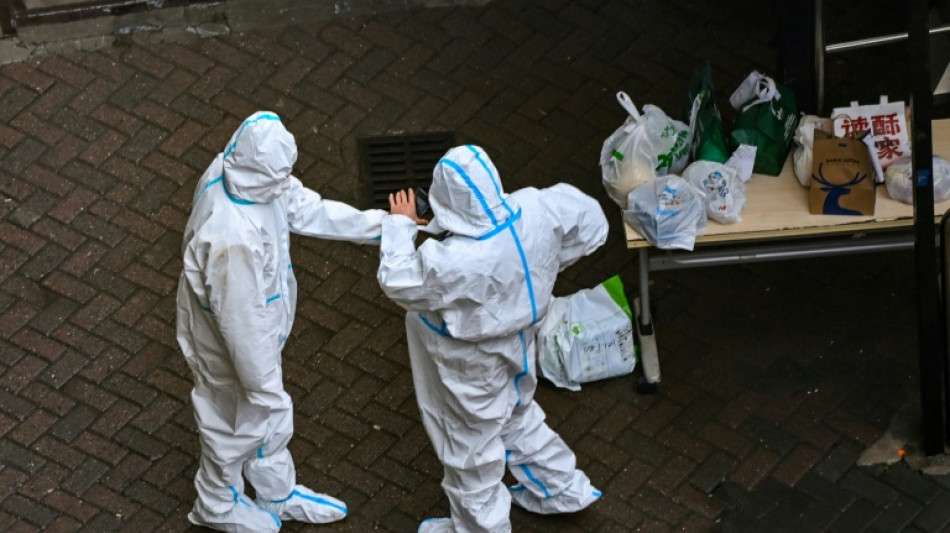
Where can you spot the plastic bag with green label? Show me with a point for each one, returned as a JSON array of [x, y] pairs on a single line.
[[646, 145], [709, 137], [587, 336], [768, 114]]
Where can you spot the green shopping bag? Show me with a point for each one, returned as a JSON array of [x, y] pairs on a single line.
[[768, 115], [709, 138]]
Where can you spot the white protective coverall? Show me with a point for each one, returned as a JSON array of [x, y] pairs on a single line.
[[474, 301], [236, 301]]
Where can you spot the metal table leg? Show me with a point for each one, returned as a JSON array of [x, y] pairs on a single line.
[[649, 357]]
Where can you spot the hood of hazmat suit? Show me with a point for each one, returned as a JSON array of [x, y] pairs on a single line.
[[237, 297], [258, 169], [473, 299]]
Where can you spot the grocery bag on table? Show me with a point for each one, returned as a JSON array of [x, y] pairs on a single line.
[[900, 185], [709, 137], [768, 113], [842, 177], [668, 212], [724, 191], [646, 145], [804, 143], [587, 336]]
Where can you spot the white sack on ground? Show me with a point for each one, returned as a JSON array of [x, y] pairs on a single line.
[[587, 336]]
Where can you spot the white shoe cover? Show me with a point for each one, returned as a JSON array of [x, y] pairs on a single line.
[[578, 495], [305, 505], [245, 517], [436, 525]]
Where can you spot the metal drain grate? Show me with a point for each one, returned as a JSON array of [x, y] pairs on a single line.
[[395, 162]]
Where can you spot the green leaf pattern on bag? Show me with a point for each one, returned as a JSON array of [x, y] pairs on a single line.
[[677, 152]]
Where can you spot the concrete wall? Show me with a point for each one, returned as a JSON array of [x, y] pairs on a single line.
[[201, 20]]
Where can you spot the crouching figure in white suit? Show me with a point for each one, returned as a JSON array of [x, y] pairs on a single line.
[[236, 301], [474, 300]]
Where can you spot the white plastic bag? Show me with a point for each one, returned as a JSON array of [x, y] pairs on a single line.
[[743, 161], [900, 186], [646, 145], [668, 212], [804, 141], [724, 191], [587, 336]]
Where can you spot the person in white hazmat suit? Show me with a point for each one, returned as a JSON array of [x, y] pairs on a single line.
[[474, 300], [236, 301]]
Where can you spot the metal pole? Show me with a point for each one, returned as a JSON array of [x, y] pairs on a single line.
[[931, 323], [876, 41], [820, 56]]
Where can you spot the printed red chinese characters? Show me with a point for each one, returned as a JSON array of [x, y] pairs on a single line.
[[885, 124], [888, 149]]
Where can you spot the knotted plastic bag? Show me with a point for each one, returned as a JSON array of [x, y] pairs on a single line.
[[900, 185], [724, 191], [587, 336], [804, 145], [645, 146], [668, 212]]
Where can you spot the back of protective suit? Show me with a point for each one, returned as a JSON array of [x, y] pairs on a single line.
[[236, 294], [495, 272]]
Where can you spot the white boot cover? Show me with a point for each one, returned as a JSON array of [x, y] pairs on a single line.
[[578, 495], [436, 525], [305, 505], [244, 517]]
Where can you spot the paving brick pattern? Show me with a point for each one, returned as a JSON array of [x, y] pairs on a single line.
[[776, 376]]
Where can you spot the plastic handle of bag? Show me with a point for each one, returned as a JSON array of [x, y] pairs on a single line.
[[843, 116], [627, 104], [765, 91]]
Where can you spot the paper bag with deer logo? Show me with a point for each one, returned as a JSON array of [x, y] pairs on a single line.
[[842, 177]]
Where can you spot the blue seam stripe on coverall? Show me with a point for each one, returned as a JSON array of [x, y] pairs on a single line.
[[269, 300], [524, 371], [314, 499], [501, 227], [478, 156], [491, 216], [536, 481], [525, 468], [220, 179], [524, 264], [478, 194], [232, 198], [265, 116], [443, 332], [239, 499], [208, 186]]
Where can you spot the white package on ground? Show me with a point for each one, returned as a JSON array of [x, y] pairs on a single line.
[[725, 192], [668, 212], [587, 336], [646, 145], [900, 186]]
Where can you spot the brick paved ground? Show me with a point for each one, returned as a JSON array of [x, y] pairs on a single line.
[[775, 376]]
